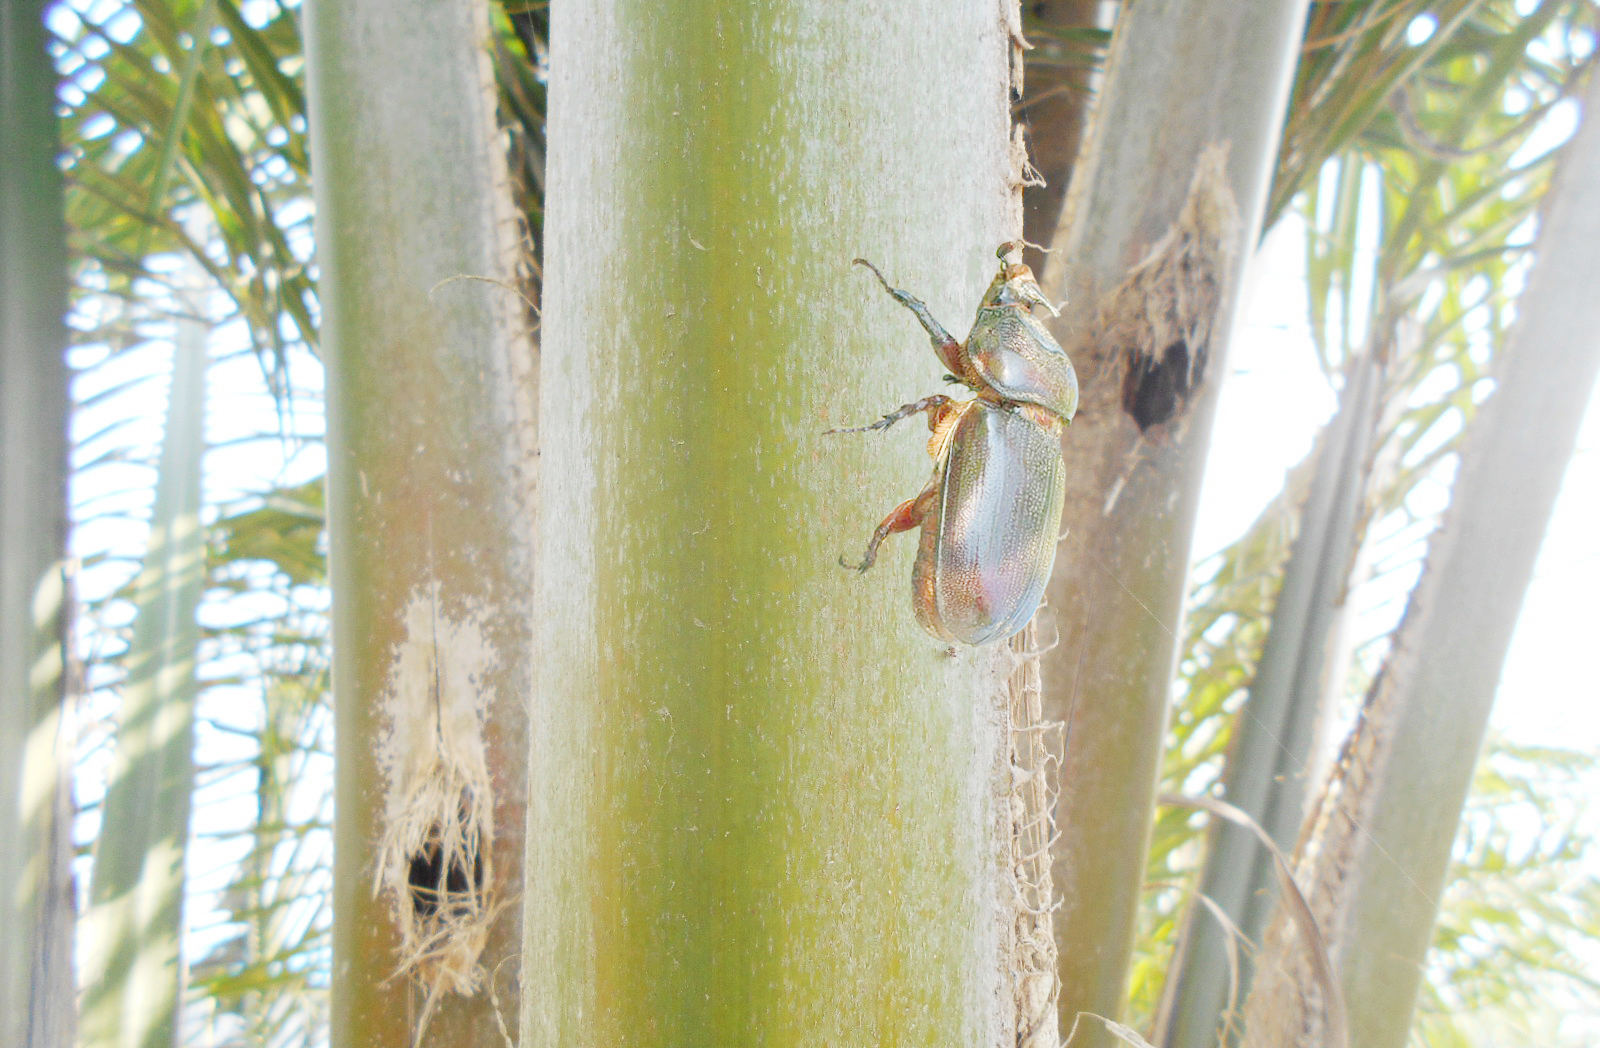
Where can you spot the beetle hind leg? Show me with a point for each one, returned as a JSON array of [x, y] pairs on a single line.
[[904, 517]]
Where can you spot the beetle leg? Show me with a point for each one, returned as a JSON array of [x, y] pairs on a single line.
[[905, 516], [944, 343], [933, 403]]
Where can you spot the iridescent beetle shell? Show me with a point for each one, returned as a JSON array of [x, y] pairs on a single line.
[[989, 516], [989, 541]]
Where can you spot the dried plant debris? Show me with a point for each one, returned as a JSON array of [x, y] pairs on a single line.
[[1035, 752], [1011, 16], [1024, 174], [1125, 1034], [1162, 316], [437, 846]]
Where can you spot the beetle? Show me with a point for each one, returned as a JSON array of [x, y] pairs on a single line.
[[990, 514]]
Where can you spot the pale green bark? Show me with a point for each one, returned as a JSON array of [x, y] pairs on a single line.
[[430, 481], [1382, 845], [763, 800], [133, 972], [35, 751], [1183, 75]]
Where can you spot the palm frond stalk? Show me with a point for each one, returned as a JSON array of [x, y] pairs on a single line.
[[1272, 742], [1440, 243], [133, 973]]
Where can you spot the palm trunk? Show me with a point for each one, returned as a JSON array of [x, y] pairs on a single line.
[[1188, 83], [766, 808], [430, 386]]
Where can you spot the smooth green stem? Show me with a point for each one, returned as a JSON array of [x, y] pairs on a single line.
[[1453, 642], [132, 979], [763, 799]]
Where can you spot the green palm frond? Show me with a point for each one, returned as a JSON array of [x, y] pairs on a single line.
[[197, 106]]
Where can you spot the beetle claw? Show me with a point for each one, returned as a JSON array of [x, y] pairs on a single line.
[[859, 569], [869, 265]]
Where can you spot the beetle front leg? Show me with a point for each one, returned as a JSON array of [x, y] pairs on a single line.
[[944, 344], [935, 404], [906, 516]]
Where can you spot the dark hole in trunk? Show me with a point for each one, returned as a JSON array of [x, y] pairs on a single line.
[[1156, 388], [432, 885]]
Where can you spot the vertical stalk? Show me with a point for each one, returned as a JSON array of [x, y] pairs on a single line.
[[1054, 110], [1272, 741], [1379, 844], [764, 803], [133, 977], [1184, 77], [36, 1005], [431, 472]]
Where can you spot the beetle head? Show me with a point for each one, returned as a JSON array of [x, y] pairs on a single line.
[[1015, 285]]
